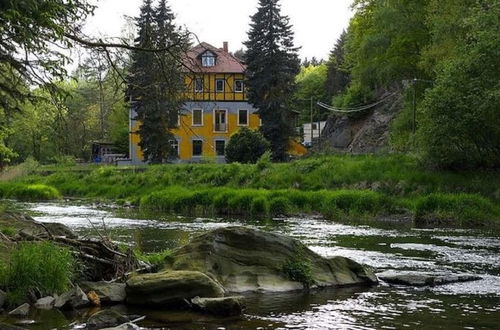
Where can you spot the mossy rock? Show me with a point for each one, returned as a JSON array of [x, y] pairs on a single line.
[[170, 288], [244, 259]]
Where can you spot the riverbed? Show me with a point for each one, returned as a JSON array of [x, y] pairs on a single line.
[[383, 246]]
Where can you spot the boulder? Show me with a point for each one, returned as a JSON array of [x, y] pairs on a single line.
[[414, 278], [106, 318], [244, 259], [75, 298], [22, 310], [226, 306], [109, 293], [45, 303], [170, 288]]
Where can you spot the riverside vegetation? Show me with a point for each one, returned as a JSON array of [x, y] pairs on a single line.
[[338, 187]]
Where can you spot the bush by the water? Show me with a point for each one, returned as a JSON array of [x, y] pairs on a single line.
[[467, 209], [246, 146], [28, 192], [37, 267]]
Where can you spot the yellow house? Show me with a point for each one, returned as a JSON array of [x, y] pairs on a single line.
[[216, 106]]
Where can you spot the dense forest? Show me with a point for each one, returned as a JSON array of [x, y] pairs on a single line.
[[442, 55], [446, 52]]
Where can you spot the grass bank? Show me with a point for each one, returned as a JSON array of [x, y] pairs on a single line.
[[336, 186]]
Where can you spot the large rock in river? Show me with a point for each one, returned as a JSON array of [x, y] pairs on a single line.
[[170, 288], [244, 259]]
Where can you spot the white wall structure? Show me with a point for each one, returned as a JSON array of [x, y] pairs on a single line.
[[314, 133]]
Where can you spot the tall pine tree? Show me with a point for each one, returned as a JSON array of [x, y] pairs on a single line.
[[337, 77], [272, 64], [155, 83]]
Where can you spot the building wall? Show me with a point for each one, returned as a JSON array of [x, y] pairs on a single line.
[[209, 92], [187, 132]]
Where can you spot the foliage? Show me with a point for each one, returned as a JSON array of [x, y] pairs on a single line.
[[464, 208], [337, 77], [272, 63], [460, 127], [34, 28], [156, 93], [310, 84], [246, 146], [29, 192], [298, 269], [37, 267]]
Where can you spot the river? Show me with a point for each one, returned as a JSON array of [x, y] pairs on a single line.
[[385, 246]]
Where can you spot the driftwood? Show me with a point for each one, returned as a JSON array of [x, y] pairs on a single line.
[[100, 258]]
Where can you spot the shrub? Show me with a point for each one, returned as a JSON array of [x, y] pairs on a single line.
[[469, 209], [40, 266], [246, 146], [157, 260], [34, 192], [298, 269]]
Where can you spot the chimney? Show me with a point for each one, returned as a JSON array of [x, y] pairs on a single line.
[[225, 46]]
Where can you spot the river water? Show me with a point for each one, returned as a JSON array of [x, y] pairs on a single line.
[[385, 246]]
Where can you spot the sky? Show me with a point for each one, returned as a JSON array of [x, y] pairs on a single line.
[[317, 23]]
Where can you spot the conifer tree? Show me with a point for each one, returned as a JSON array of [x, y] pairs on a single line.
[[337, 77], [272, 64], [155, 84]]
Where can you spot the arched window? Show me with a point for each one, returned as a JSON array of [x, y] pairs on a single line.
[[208, 59]]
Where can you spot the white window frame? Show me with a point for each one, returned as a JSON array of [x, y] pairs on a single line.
[[242, 86], [192, 118], [223, 85], [208, 59], [226, 123], [192, 148], [215, 147], [195, 85], [248, 117]]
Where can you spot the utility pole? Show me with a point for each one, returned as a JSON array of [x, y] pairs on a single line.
[[311, 121]]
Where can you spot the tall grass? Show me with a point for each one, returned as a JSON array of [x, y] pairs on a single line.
[[37, 266], [28, 192], [466, 209]]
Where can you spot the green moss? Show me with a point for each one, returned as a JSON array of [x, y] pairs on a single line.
[[299, 270]]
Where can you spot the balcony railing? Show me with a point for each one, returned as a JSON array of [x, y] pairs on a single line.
[[220, 127]]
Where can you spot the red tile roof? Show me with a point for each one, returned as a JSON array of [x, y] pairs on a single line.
[[224, 63]]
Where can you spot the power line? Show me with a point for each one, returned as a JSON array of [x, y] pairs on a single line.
[[350, 110]]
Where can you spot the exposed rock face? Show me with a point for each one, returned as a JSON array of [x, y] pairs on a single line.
[[109, 293], [45, 303], [367, 133], [22, 310], [227, 306], [170, 288], [244, 259], [413, 278], [106, 318]]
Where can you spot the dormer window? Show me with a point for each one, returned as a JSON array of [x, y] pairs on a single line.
[[208, 59]]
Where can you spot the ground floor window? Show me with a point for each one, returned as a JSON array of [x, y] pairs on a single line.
[[174, 148], [243, 117], [220, 147], [197, 147]]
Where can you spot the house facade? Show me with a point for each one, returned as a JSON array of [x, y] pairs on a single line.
[[216, 107]]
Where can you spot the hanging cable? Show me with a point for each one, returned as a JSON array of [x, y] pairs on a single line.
[[357, 109]]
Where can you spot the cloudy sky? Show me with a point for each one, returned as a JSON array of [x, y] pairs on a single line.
[[317, 23]]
